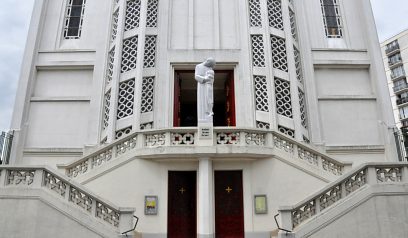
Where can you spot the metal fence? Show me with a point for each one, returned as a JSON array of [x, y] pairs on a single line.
[[6, 140], [401, 141]]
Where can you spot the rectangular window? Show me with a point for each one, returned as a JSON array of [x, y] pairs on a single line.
[[332, 18], [73, 19], [391, 47], [394, 59], [397, 72]]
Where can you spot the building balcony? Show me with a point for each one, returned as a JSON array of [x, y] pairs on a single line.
[[402, 100], [397, 76], [393, 64], [187, 143], [392, 49], [400, 87]]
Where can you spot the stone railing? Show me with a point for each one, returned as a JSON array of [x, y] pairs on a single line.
[[222, 136], [119, 219], [365, 175]]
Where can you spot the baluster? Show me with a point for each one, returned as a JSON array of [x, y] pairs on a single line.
[[114, 151], [93, 206], [404, 174], [269, 139], [286, 219], [167, 139], [295, 151], [317, 205], [242, 139], [371, 175], [140, 141], [3, 173], [38, 178], [67, 192], [319, 162]]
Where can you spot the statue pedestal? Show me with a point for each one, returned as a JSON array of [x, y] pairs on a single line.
[[205, 134]]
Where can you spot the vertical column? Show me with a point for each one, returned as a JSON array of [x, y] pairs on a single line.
[[205, 220]]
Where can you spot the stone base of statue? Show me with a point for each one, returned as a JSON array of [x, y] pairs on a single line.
[[205, 134]]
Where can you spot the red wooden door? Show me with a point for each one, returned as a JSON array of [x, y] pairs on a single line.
[[176, 108], [230, 93], [182, 208], [229, 208]]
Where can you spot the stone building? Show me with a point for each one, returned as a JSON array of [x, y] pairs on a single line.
[[394, 52], [105, 118]]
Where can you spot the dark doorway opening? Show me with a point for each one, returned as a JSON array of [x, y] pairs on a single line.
[[182, 204], [185, 98], [229, 204]]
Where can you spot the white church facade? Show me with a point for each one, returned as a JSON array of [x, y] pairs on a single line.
[[105, 122]]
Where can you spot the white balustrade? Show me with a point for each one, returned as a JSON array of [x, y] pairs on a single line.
[[366, 175], [119, 219], [223, 136]]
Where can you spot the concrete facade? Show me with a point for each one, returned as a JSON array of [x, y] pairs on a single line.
[[100, 107]]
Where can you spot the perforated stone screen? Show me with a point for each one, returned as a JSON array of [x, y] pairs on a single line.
[[147, 94], [283, 98], [123, 132], [298, 65], [129, 54], [255, 19], [279, 56], [258, 54], [261, 93], [150, 52], [132, 14], [275, 14], [303, 111], [114, 27], [126, 98], [109, 68], [152, 13], [286, 131], [106, 109]]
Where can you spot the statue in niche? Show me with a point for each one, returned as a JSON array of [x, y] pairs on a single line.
[[204, 75]]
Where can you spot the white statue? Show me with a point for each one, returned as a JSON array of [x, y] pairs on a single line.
[[204, 75]]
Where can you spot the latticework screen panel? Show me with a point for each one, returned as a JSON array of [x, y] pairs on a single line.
[[126, 98], [109, 68], [286, 131], [303, 111], [283, 98], [147, 94], [258, 52], [298, 65], [152, 13], [150, 52], [255, 19], [132, 18], [261, 93], [275, 14], [106, 109], [129, 54], [279, 55], [123, 132], [114, 27]]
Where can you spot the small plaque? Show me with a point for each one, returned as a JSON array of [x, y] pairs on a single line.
[[261, 206], [151, 205], [205, 132]]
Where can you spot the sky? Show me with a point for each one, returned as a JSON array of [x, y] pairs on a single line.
[[390, 16]]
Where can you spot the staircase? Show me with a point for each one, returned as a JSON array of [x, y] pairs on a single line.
[[228, 142], [369, 201], [37, 200]]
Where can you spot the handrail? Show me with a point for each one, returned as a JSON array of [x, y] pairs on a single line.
[[134, 228], [362, 176], [45, 178], [223, 136], [277, 224]]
